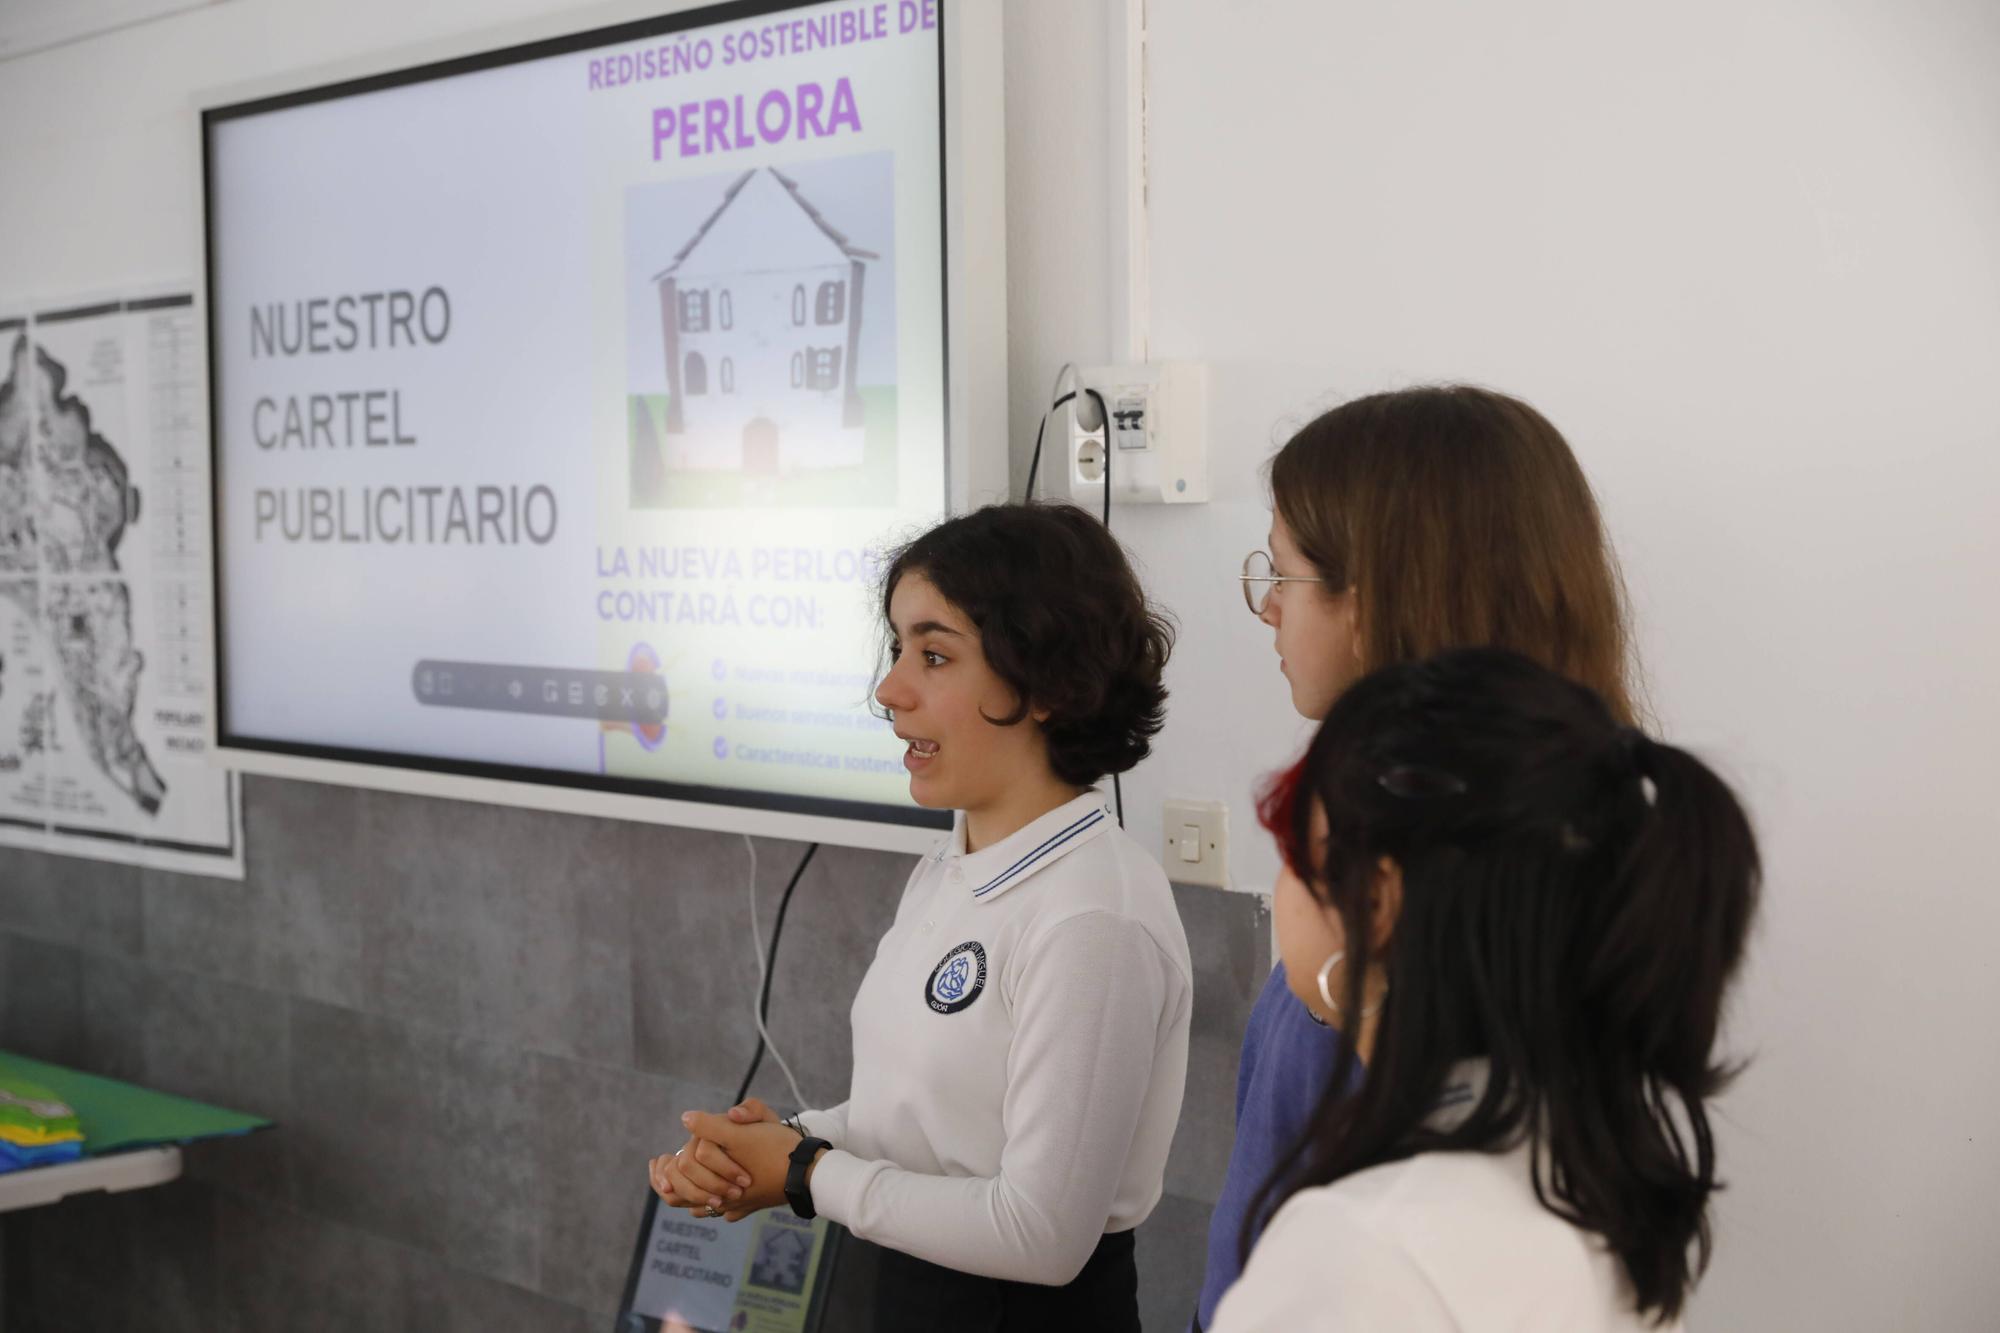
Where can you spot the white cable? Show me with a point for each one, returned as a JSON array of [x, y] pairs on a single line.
[[757, 995], [1065, 373]]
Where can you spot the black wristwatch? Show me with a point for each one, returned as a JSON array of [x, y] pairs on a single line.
[[796, 1192]]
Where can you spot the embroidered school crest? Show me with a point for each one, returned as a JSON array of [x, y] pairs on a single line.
[[957, 979]]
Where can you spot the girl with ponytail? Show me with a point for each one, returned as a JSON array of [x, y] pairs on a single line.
[[1524, 916]]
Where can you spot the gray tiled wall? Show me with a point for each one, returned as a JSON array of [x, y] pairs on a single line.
[[473, 1025]]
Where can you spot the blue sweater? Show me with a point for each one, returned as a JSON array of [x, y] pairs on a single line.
[[1287, 1063]]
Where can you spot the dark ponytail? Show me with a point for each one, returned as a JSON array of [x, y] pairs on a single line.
[[1576, 899], [1684, 892]]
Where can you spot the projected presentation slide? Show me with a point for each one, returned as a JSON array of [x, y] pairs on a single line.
[[564, 405]]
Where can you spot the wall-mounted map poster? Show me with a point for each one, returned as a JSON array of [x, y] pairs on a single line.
[[106, 672]]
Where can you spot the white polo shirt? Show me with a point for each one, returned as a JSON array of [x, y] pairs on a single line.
[[1020, 1050], [1442, 1242]]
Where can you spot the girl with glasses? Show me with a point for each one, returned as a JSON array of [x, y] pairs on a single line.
[[1404, 524]]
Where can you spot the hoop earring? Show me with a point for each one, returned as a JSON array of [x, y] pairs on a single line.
[[1326, 992]]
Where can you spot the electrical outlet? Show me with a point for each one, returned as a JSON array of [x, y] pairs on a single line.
[[1090, 460], [1154, 441], [1196, 842]]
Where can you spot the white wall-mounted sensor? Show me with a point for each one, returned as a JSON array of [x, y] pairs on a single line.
[[1154, 434]]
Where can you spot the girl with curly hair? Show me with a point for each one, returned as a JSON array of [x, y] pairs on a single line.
[[1021, 1039]]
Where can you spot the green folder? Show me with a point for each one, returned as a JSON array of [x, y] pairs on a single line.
[[119, 1116]]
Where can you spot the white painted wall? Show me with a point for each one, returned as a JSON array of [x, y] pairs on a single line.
[[1743, 252], [1746, 254]]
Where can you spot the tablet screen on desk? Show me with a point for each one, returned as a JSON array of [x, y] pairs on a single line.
[[765, 1274]]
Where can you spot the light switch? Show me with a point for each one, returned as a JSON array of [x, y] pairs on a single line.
[[1196, 842]]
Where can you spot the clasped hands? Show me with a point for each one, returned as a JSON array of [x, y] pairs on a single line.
[[732, 1165]]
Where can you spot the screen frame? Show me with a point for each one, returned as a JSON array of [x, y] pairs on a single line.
[[974, 224]]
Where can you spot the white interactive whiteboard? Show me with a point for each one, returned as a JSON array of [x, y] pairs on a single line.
[[564, 398]]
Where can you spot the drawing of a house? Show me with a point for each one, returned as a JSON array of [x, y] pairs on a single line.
[[762, 315], [781, 1260]]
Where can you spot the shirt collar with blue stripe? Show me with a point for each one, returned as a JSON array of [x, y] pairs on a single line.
[[991, 871]]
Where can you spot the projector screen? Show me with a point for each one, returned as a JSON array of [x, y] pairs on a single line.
[[564, 399]]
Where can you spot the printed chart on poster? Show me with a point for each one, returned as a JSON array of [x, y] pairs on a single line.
[[567, 398], [105, 670]]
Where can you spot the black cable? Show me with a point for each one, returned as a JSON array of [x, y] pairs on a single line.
[[1118, 792], [1104, 417], [1109, 449], [1034, 465], [771, 970]]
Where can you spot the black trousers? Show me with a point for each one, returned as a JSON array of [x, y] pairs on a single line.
[[912, 1296]]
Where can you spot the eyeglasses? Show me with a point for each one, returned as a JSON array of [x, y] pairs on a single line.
[[1259, 579]]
